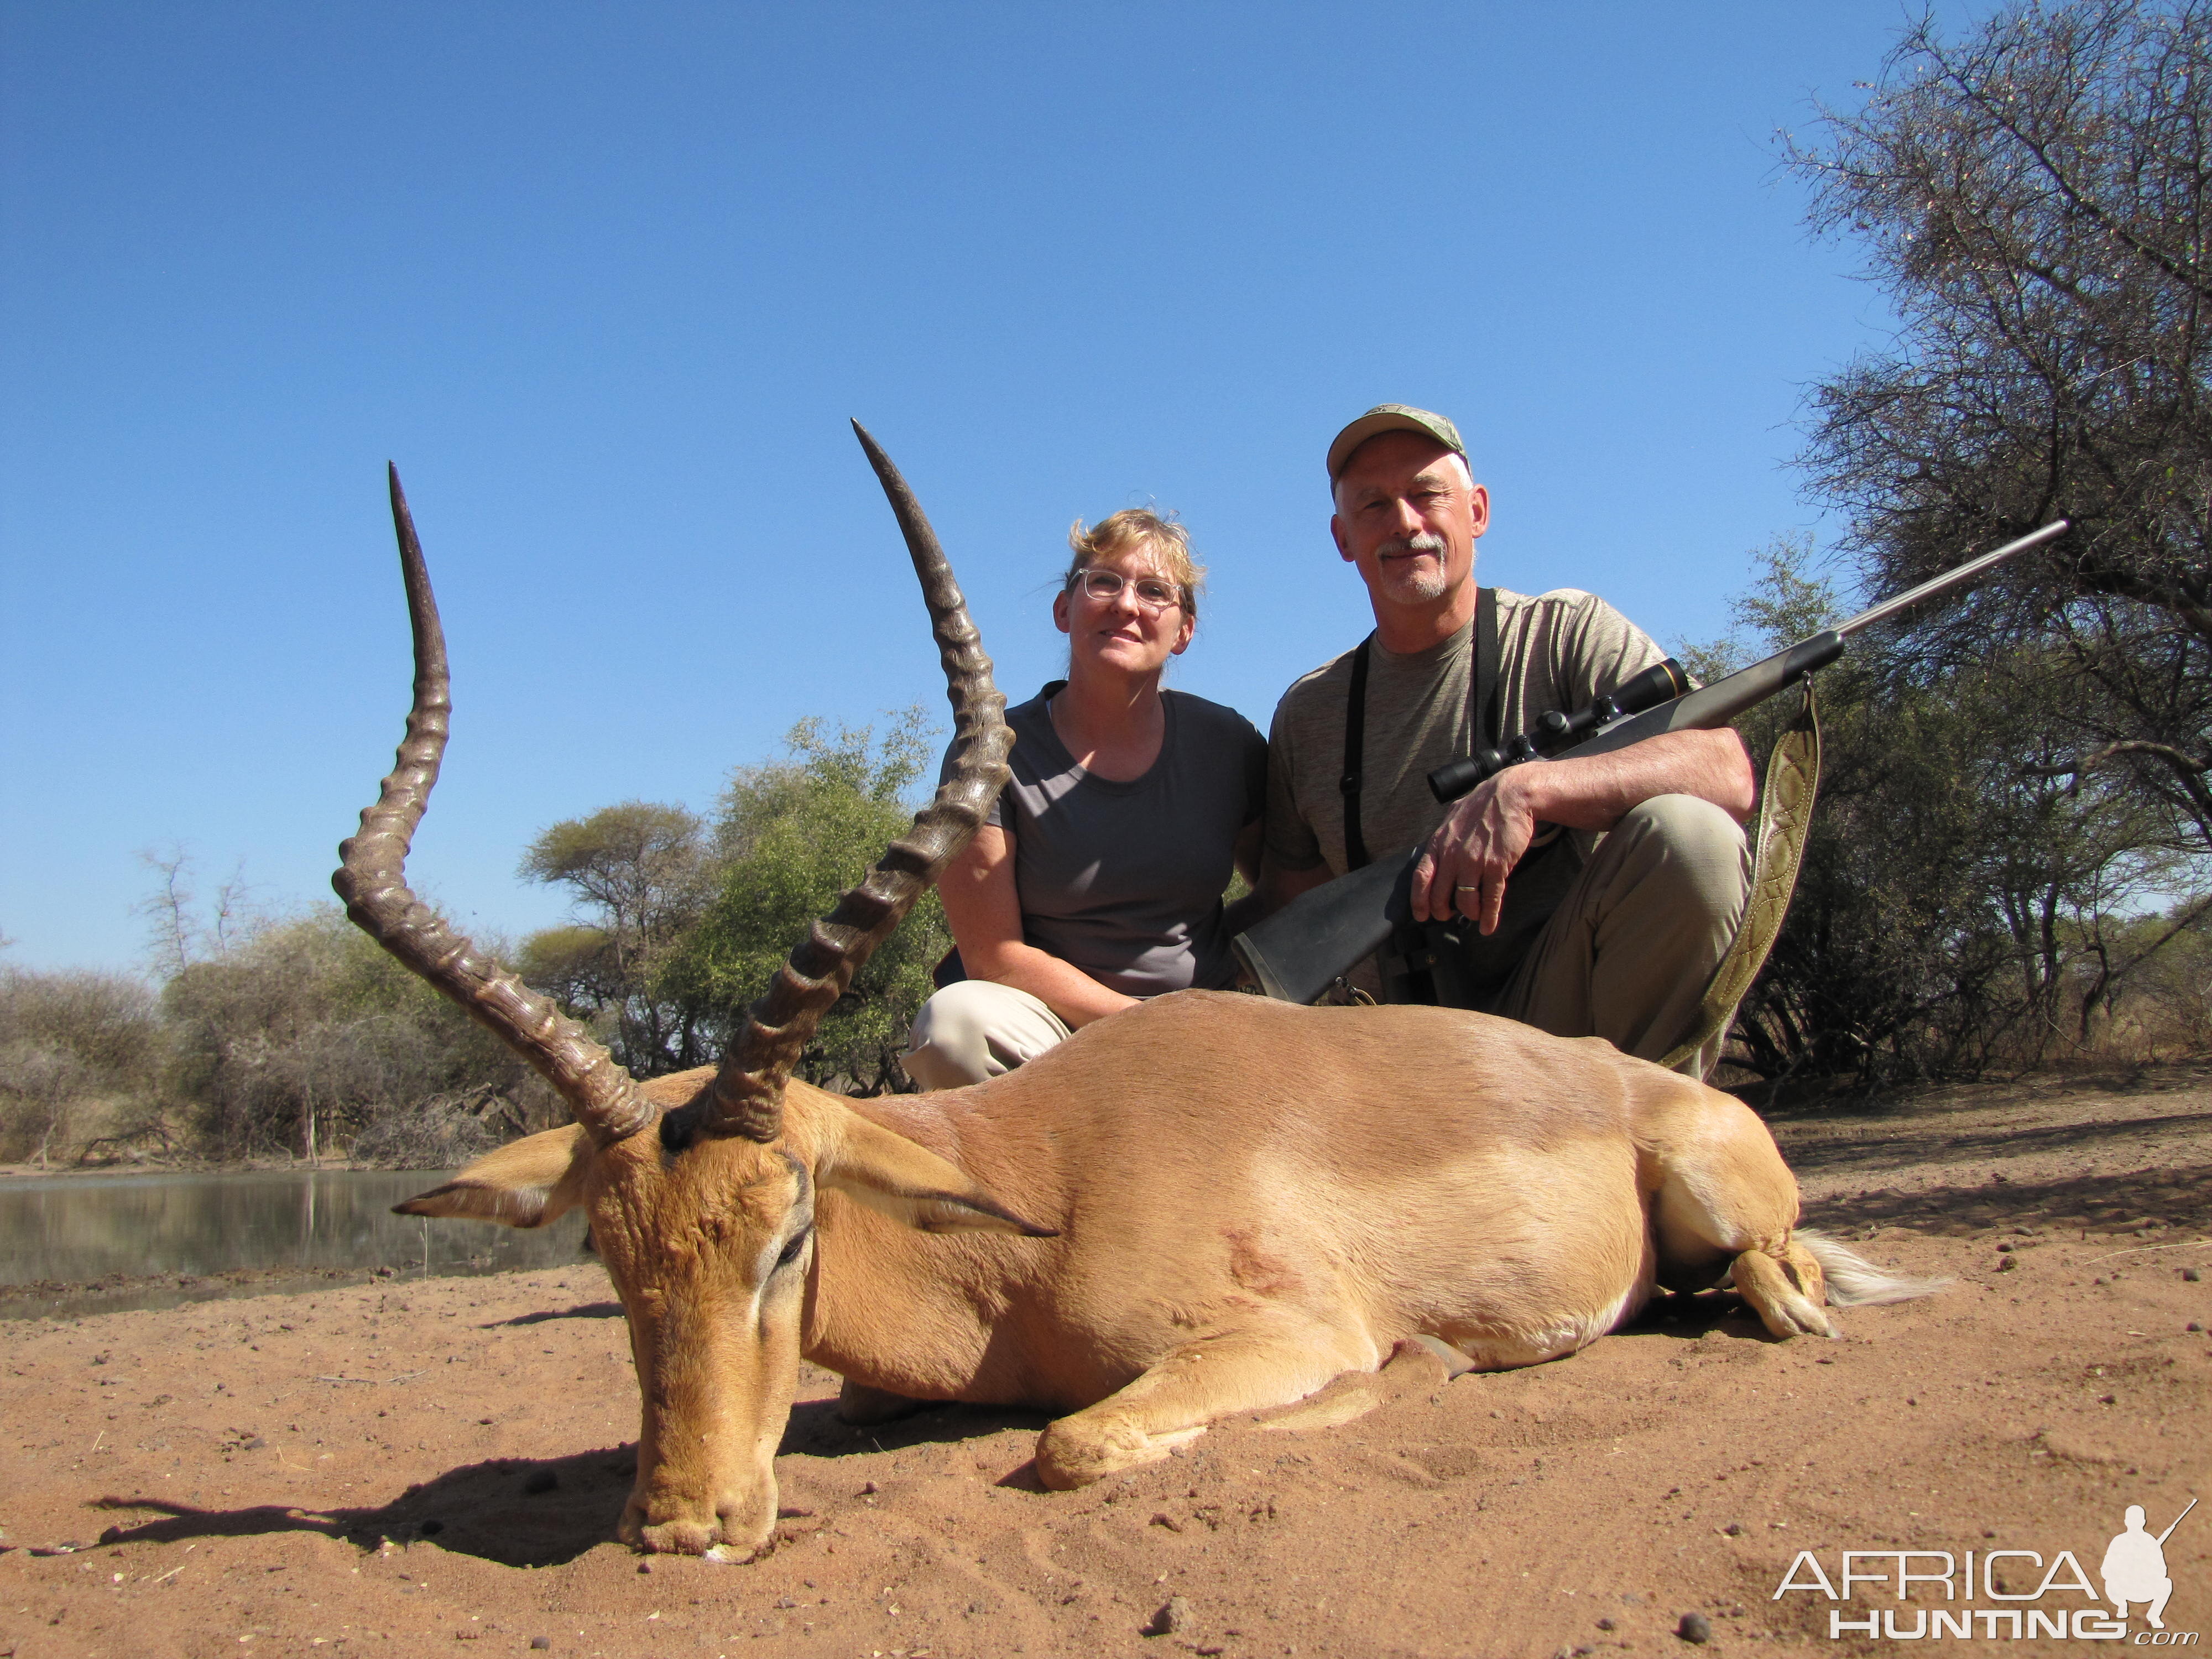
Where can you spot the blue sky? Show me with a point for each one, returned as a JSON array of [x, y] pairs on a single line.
[[606, 283]]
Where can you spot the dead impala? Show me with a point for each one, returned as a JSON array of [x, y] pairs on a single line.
[[1210, 1204]]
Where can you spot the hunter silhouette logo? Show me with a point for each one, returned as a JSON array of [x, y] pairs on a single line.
[[2134, 1568], [1912, 1594]]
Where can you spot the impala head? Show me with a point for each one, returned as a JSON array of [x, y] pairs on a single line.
[[702, 1196]]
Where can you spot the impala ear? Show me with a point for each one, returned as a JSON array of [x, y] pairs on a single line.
[[525, 1183], [886, 1171]]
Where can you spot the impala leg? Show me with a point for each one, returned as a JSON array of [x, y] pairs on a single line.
[[1171, 1404], [861, 1405], [1785, 1288], [1724, 1196]]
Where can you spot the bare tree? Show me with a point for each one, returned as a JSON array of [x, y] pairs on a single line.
[[2035, 202], [172, 937]]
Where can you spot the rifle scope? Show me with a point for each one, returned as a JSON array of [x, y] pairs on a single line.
[[1661, 682]]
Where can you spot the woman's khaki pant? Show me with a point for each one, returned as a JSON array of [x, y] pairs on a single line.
[[976, 1030]]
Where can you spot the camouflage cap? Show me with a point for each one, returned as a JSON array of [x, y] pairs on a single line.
[[1390, 417]]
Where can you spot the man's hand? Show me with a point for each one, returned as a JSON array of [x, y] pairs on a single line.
[[1463, 868]]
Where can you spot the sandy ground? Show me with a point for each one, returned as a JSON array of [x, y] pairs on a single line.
[[390, 1468]]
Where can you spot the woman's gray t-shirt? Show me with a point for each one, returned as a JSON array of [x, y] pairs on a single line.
[[1124, 880]]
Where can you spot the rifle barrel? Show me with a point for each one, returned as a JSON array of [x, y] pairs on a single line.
[[1936, 585], [2177, 1520]]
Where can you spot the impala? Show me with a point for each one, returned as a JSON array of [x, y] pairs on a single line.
[[1209, 1204]]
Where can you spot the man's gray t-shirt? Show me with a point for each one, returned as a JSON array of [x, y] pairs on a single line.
[[1124, 880], [1559, 650]]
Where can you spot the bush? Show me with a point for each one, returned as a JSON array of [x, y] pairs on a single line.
[[79, 1052], [793, 837], [305, 1036]]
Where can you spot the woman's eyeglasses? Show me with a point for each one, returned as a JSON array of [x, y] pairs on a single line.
[[1152, 594]]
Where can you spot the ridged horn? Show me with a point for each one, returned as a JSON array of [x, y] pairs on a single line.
[[370, 878], [747, 1097]]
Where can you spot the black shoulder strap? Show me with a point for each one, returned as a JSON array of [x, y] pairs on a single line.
[[1483, 694], [1485, 690], [1355, 733]]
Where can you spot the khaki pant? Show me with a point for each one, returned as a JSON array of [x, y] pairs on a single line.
[[976, 1030], [1629, 953]]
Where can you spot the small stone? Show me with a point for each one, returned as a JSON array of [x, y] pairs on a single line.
[[2192, 1325], [784, 1601], [2108, 1399], [256, 1443], [870, 1490], [2191, 1275], [541, 1643], [1734, 1529], [1695, 1627], [2008, 1264], [1162, 1518], [1174, 1616], [645, 1566], [1605, 1624]]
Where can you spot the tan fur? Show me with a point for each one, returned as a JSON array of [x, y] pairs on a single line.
[[1241, 1201]]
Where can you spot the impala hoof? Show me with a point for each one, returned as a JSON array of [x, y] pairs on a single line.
[[1785, 1290], [720, 1539], [1072, 1453]]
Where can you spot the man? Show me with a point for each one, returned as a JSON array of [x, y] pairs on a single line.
[[1627, 954], [2134, 1568]]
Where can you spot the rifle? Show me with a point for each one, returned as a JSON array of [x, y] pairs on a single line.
[[1301, 950]]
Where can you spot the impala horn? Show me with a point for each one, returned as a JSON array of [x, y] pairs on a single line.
[[747, 1097], [372, 880]]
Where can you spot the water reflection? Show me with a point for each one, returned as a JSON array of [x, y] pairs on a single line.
[[73, 1228]]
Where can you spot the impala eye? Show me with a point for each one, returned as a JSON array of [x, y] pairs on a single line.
[[794, 1246]]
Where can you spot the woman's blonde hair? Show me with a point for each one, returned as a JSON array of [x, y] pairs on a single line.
[[1135, 527]]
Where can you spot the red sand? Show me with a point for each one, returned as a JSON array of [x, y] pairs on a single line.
[[387, 1468]]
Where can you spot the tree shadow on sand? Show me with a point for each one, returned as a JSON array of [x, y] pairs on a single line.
[[1916, 1145], [2177, 1197]]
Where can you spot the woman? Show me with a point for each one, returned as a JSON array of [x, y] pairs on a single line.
[[1097, 880]]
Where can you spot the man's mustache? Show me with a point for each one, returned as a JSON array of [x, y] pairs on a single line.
[[1398, 546]]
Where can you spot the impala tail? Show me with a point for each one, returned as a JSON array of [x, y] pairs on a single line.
[[1856, 1282]]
